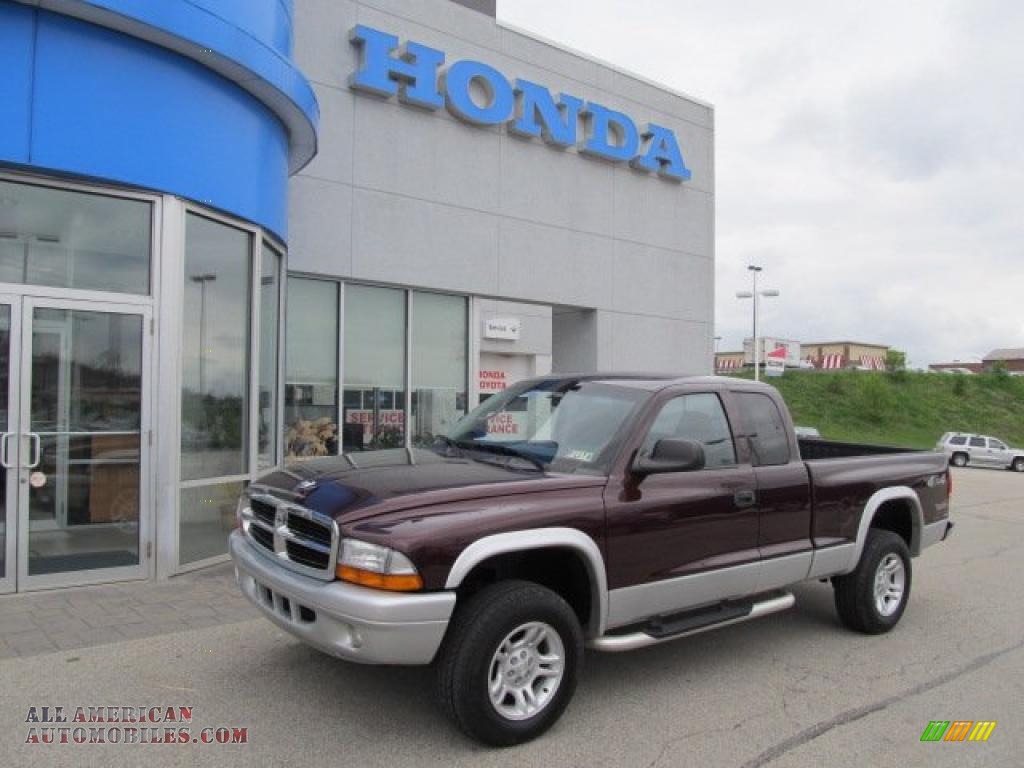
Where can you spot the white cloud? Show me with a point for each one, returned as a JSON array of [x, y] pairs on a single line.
[[869, 156]]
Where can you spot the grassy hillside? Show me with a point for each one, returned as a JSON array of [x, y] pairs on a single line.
[[912, 409]]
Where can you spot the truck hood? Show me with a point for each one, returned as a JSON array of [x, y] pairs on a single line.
[[354, 487]]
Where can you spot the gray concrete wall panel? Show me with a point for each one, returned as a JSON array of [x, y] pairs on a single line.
[[412, 197]]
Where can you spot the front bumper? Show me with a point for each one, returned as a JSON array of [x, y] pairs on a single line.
[[355, 623]]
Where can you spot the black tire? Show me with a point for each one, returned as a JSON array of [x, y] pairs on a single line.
[[855, 592], [1018, 464], [477, 631], [959, 460]]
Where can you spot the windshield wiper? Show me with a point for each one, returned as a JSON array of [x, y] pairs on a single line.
[[497, 448]]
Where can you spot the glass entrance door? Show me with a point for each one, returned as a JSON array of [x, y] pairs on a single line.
[[76, 445], [10, 316]]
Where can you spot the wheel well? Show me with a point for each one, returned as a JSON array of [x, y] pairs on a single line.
[[896, 516], [560, 569]]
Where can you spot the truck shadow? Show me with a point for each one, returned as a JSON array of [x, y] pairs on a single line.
[[356, 697]]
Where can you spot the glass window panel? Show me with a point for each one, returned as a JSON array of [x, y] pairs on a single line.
[[270, 318], [86, 400], [311, 378], [215, 351], [5, 380], [766, 431], [440, 331], [207, 518], [695, 417], [66, 239], [374, 415]]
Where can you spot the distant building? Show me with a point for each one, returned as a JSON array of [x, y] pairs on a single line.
[[1013, 358], [956, 367], [821, 355], [837, 355], [728, 362]]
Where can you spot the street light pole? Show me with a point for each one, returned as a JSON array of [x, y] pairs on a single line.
[[757, 347], [202, 280], [756, 295]]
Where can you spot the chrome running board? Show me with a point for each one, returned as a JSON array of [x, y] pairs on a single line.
[[642, 639]]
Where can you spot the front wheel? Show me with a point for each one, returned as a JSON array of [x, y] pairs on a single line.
[[1018, 464], [873, 597], [510, 663], [959, 460]]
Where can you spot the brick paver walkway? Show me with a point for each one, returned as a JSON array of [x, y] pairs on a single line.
[[42, 622]]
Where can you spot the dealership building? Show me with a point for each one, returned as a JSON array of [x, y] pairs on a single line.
[[239, 232]]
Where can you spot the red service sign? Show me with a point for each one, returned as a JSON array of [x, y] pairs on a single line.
[[385, 417], [502, 424]]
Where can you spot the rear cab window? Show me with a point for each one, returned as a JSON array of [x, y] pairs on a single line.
[[764, 429], [977, 442]]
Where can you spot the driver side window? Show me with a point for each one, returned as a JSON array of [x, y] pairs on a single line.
[[699, 418]]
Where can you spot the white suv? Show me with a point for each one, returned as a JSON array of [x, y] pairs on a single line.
[[979, 450]]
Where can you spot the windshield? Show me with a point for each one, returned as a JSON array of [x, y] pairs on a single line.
[[559, 425]]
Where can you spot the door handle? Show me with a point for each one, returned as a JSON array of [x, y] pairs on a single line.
[[38, 443], [744, 499], [3, 450]]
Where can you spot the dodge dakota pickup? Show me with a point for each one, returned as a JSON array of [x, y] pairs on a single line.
[[606, 512]]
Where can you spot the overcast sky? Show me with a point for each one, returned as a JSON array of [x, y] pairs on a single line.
[[870, 156]]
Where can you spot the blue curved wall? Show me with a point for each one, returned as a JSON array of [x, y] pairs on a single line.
[[82, 99]]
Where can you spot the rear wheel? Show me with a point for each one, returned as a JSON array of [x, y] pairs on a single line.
[[873, 597], [510, 663], [1018, 464], [959, 460]]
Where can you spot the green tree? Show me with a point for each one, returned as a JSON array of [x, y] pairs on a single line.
[[896, 364], [895, 360]]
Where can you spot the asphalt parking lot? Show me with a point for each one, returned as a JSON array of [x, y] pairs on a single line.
[[794, 689]]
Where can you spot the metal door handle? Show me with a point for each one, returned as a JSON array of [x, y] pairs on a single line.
[[38, 450], [3, 450], [744, 499]]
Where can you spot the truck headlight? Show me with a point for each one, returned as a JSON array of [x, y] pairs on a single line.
[[371, 565]]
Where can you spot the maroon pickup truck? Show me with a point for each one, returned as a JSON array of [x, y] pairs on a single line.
[[609, 512]]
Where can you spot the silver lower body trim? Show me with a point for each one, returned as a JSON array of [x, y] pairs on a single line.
[[631, 604], [829, 561], [933, 533], [344, 620], [635, 640]]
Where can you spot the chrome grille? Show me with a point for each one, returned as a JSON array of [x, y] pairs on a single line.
[[262, 511], [300, 539]]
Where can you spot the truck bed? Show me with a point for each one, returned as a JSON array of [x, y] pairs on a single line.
[[831, 449]]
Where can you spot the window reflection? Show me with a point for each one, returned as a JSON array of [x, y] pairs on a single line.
[[215, 350], [207, 517], [270, 314], [311, 388], [374, 400], [86, 404], [5, 381], [439, 356], [78, 240]]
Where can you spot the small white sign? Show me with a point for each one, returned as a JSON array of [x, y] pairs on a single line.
[[775, 366], [507, 328]]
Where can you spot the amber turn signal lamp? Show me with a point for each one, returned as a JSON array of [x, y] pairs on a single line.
[[390, 582]]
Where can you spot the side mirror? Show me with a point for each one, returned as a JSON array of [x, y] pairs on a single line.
[[671, 455]]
